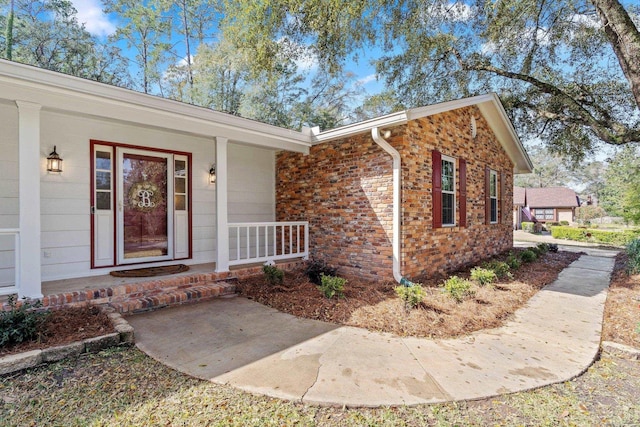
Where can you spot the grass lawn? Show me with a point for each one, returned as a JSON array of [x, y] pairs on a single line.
[[123, 387]]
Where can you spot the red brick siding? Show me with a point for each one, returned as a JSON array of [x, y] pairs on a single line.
[[344, 189]]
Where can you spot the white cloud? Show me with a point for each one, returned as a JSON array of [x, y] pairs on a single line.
[[90, 14], [591, 21], [367, 79]]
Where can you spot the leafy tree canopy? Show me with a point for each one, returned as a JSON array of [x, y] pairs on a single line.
[[567, 70]]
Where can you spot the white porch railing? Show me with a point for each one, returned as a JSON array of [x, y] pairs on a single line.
[[263, 241], [6, 286]]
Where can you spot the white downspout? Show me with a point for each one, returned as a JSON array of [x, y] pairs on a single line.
[[397, 210]]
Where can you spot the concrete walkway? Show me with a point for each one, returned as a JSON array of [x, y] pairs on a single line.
[[235, 341]]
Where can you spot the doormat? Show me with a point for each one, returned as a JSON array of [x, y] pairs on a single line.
[[151, 271]]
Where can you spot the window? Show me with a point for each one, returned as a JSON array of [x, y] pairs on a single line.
[[448, 191], [493, 196], [546, 214]]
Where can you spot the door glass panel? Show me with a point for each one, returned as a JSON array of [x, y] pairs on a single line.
[[180, 185], [145, 206], [103, 200], [180, 168], [103, 180], [180, 201], [103, 160]]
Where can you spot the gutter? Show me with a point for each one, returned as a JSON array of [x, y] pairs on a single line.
[[397, 181]]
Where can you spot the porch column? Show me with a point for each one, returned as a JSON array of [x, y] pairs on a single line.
[[222, 221], [30, 279]]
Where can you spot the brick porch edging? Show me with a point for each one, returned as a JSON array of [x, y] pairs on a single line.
[[124, 335], [159, 292]]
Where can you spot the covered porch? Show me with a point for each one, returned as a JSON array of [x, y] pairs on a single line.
[[63, 229]]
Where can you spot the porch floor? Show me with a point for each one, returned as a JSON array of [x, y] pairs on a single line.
[[134, 294], [54, 287]]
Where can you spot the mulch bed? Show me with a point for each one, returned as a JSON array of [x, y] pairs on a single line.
[[375, 306], [64, 326], [622, 310]]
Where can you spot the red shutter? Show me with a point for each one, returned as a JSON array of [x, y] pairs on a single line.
[[503, 211], [487, 195], [462, 168], [436, 188]]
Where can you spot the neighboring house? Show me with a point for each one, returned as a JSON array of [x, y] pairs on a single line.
[[147, 181], [552, 204]]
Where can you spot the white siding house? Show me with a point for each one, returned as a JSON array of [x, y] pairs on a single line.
[[83, 221]]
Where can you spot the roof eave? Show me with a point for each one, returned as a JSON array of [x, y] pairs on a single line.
[[117, 103]]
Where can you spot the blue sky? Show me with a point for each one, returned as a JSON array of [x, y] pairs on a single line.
[[90, 13]]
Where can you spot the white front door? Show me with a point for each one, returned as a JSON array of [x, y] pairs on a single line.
[[144, 206]]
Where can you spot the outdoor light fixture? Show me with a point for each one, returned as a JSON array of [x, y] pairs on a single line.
[[54, 162], [212, 174]]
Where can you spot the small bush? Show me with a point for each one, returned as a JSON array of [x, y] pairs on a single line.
[[411, 295], [528, 227], [543, 248], [500, 268], [633, 252], [565, 223], [332, 286], [273, 274], [483, 276], [20, 324], [513, 261], [316, 268], [458, 288], [528, 256]]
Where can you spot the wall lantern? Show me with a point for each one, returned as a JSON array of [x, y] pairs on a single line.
[[54, 162], [212, 174]]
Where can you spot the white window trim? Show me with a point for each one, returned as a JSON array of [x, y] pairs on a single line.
[[452, 161], [493, 175]]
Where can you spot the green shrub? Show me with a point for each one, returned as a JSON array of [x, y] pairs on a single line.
[[20, 323], [500, 268], [528, 227], [528, 256], [483, 276], [273, 274], [616, 238], [458, 288], [315, 268], [633, 252], [411, 295], [543, 248], [513, 261], [332, 286], [565, 223]]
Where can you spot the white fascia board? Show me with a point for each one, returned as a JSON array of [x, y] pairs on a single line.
[[430, 110], [383, 122], [493, 111], [61, 92]]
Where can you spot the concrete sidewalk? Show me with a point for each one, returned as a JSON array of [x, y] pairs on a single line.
[[554, 338]]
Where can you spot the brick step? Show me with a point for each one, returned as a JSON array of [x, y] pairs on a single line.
[[163, 297]]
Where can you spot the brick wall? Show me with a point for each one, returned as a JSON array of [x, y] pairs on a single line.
[[344, 189]]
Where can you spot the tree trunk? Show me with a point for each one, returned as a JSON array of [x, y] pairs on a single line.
[[8, 52], [625, 39]]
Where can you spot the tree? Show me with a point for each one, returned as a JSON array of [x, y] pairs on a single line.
[[144, 29], [195, 19], [550, 170], [220, 75], [566, 70], [47, 34], [619, 196]]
